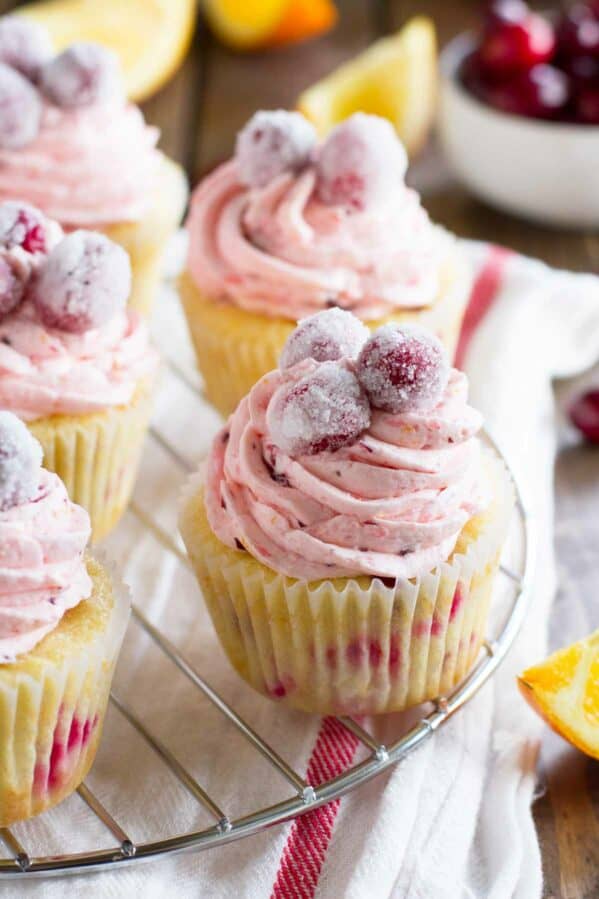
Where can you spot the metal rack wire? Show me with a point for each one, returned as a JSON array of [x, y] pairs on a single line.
[[303, 796]]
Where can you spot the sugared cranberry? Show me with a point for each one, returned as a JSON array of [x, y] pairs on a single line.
[[20, 461], [587, 105], [83, 283], [514, 45], [24, 45], [325, 336], [543, 93], [323, 411], [360, 163], [81, 75], [12, 285], [22, 225], [273, 142], [20, 109], [578, 32], [584, 414], [403, 368]]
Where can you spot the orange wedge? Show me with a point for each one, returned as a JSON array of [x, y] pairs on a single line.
[[564, 690], [396, 78], [255, 24], [150, 37]]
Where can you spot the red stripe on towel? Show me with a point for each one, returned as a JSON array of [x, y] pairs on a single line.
[[484, 292]]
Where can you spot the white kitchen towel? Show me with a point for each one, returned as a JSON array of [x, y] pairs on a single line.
[[453, 820]]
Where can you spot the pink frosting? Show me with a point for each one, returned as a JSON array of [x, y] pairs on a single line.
[[88, 166], [392, 504], [279, 251], [46, 371], [42, 570]]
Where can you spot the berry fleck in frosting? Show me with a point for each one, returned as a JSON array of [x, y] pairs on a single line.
[[325, 336]]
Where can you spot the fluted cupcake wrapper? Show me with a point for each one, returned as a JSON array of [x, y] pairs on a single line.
[[234, 348], [356, 645], [145, 241], [53, 700], [97, 455]]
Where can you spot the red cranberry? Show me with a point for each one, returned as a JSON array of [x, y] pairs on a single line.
[[582, 70], [403, 369], [20, 462], [325, 336], [81, 75], [501, 11], [587, 105], [20, 109], [543, 93], [357, 162], [83, 283], [514, 46], [271, 143], [12, 286], [584, 414], [322, 412], [22, 225], [24, 45], [578, 32]]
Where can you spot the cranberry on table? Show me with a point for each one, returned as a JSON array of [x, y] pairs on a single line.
[[20, 462], [22, 225], [584, 414], [325, 336], [81, 75], [273, 142], [542, 92], [24, 45], [516, 44], [20, 109]]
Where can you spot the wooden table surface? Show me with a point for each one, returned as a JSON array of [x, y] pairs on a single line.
[[199, 113]]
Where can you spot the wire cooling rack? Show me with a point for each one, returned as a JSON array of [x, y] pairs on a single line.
[[121, 850]]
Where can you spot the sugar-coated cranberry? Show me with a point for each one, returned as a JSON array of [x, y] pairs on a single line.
[[22, 225], [587, 105], [20, 109], [20, 461], [543, 92], [81, 75], [24, 45], [514, 45], [403, 368], [584, 414], [359, 163], [13, 281], [322, 412], [325, 336], [273, 142], [578, 32], [83, 283]]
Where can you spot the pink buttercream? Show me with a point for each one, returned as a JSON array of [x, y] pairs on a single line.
[[279, 251], [392, 504], [89, 166], [42, 570], [46, 371]]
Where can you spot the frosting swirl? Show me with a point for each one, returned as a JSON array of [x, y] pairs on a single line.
[[45, 371], [87, 166], [392, 504], [42, 569], [278, 250]]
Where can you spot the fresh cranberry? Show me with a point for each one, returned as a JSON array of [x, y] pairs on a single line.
[[584, 414], [587, 105], [403, 368], [322, 412], [24, 45], [271, 143], [22, 225], [510, 46], [12, 286], [578, 32], [582, 70], [81, 75], [543, 93], [20, 462], [358, 163], [20, 109], [501, 11], [83, 283], [325, 336]]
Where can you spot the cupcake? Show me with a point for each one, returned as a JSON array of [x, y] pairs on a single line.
[[62, 621], [347, 532], [72, 146], [75, 362], [289, 228]]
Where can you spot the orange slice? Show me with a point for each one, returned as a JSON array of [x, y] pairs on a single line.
[[396, 78], [252, 24], [302, 20], [564, 690], [150, 37]]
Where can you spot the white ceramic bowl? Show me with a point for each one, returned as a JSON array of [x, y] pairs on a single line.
[[546, 171]]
